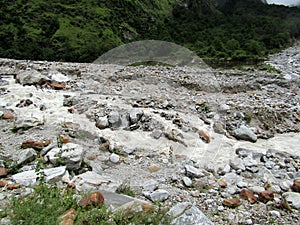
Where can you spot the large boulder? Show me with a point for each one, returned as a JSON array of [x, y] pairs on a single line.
[[244, 133]]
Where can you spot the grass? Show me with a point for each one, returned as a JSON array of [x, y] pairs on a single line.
[[48, 202]]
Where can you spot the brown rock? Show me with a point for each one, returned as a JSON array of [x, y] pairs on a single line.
[[68, 217], [57, 86], [222, 183], [37, 145], [64, 139], [3, 183], [154, 168], [248, 195], [204, 136], [13, 186], [266, 196], [8, 116], [95, 199], [296, 186], [3, 172], [232, 202]]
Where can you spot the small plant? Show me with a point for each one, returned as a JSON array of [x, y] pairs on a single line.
[[247, 118]]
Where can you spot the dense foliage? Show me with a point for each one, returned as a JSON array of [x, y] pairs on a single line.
[[82, 30]]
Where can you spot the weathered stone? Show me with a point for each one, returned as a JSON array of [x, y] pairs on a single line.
[[293, 199], [187, 181], [296, 185], [57, 76], [3, 172], [31, 77], [222, 183], [29, 178], [114, 119], [257, 189], [193, 172], [37, 145], [135, 115], [27, 123], [232, 202], [156, 134], [114, 158], [232, 178], [154, 168], [70, 154], [237, 164], [68, 217], [244, 133], [204, 135], [102, 122], [26, 155], [159, 195], [150, 185], [3, 183], [7, 116], [93, 199], [248, 195], [266, 196], [189, 216]]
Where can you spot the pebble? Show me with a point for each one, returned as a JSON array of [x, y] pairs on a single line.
[[187, 181], [114, 158]]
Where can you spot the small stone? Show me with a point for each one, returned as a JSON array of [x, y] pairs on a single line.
[[94, 199], [296, 186], [159, 195], [222, 183], [242, 184], [204, 135], [114, 158], [25, 156], [232, 202], [275, 213], [3, 172], [37, 145], [154, 168], [187, 181], [248, 195], [237, 163], [64, 139], [193, 172], [257, 189], [135, 115], [293, 199], [266, 196], [7, 116], [156, 134], [102, 122], [13, 186], [221, 208], [57, 86], [114, 119], [3, 183], [244, 133], [150, 185], [68, 217]]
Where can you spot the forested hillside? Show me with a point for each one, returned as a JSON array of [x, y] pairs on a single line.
[[82, 30]]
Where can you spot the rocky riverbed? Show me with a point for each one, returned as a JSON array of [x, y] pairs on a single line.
[[215, 146]]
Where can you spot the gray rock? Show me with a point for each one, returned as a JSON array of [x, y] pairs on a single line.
[[70, 155], [269, 164], [237, 164], [29, 178], [48, 148], [30, 77], [114, 119], [285, 185], [114, 158], [91, 181], [244, 133], [232, 190], [225, 170], [26, 155], [150, 185], [135, 115], [102, 122], [178, 209], [26, 123], [293, 199], [242, 184], [257, 189], [187, 181], [156, 134], [192, 216], [232, 178], [275, 213], [159, 195], [58, 76], [193, 172]]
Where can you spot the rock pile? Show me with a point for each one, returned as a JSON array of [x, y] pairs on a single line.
[[215, 147]]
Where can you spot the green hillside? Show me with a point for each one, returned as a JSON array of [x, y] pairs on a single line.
[[82, 30]]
